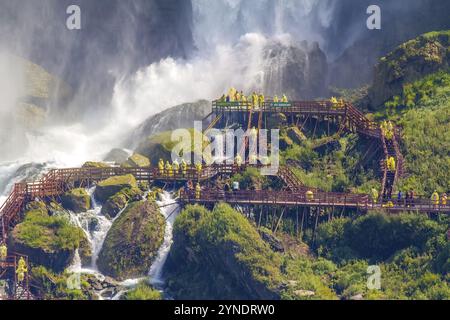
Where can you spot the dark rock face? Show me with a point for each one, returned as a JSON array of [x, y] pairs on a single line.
[[116, 37], [57, 260], [300, 70], [357, 49]]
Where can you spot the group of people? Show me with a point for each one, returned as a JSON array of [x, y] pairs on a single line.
[[22, 267], [175, 168], [435, 199], [337, 103], [407, 198], [255, 100], [387, 128]]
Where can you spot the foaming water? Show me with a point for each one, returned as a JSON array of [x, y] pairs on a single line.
[[170, 209]]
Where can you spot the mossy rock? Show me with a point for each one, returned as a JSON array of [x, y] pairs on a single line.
[[409, 62], [159, 146], [50, 241], [92, 164], [136, 160], [76, 200], [220, 255], [133, 241], [117, 202], [295, 135], [276, 120], [113, 185]]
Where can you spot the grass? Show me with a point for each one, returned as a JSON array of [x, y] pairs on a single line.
[[39, 230]]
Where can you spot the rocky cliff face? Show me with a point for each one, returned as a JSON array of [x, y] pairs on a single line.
[[410, 61], [181, 116], [299, 70]]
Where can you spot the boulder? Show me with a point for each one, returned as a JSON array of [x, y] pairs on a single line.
[[181, 116], [113, 185], [132, 242], [136, 160], [119, 201], [92, 164], [76, 200], [295, 135], [50, 241], [271, 239], [160, 146]]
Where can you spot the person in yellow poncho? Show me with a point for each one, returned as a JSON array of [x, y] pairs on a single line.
[[435, 198], [3, 252], [390, 163], [183, 167], [444, 199], [261, 100], [276, 99], [198, 190], [375, 195], [255, 100], [309, 195], [21, 269], [199, 168], [238, 160], [175, 167], [284, 99], [161, 166], [232, 94], [168, 169]]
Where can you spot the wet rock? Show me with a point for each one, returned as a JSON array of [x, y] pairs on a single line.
[[132, 242], [76, 200], [113, 185]]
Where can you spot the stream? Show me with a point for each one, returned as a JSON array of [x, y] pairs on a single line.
[[96, 227]]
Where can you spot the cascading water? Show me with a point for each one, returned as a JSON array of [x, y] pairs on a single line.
[[95, 226], [170, 209]]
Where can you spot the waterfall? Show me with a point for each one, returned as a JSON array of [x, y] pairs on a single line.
[[170, 209], [95, 225]]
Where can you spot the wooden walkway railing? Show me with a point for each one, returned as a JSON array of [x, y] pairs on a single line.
[[296, 198]]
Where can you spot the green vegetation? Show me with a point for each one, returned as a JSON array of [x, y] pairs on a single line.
[[220, 255], [423, 112], [48, 240], [411, 61], [39, 230], [54, 286], [133, 241], [411, 251], [143, 291], [251, 178], [337, 168]]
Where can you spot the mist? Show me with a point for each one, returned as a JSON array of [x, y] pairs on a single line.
[[134, 58]]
